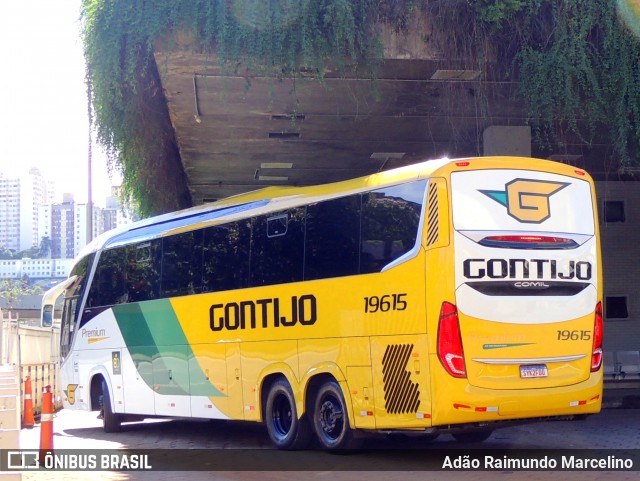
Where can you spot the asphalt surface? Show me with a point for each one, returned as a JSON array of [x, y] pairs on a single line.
[[242, 451]]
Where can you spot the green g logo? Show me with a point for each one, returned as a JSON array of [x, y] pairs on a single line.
[[527, 200]]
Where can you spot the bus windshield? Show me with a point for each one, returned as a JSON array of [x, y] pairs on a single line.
[[72, 296]]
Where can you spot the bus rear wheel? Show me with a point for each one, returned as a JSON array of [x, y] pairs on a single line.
[[112, 422], [285, 429], [331, 420]]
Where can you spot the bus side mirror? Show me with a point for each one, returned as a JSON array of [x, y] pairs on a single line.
[[49, 299], [47, 315]]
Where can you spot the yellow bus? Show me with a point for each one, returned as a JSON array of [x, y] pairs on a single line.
[[450, 296]]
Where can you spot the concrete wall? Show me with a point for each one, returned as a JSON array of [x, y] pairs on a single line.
[[33, 352], [621, 262], [25, 345], [9, 414]]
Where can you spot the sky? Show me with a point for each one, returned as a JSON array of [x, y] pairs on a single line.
[[43, 101]]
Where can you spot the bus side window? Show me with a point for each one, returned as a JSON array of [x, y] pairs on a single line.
[[182, 264], [108, 286], [332, 238], [390, 220], [277, 248], [47, 316], [143, 272], [225, 256]]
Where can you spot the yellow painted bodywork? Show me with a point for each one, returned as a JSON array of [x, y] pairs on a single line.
[[350, 344]]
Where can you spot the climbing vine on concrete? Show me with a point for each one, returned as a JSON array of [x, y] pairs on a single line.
[[281, 37], [580, 76], [575, 61]]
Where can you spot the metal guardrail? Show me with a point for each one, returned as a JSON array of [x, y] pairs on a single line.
[[41, 375], [622, 366]]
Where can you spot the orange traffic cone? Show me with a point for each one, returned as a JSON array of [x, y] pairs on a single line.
[[28, 405], [46, 423]]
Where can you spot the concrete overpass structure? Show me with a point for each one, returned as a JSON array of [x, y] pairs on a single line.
[[237, 134]]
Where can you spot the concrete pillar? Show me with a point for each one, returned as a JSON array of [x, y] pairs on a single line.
[[507, 140]]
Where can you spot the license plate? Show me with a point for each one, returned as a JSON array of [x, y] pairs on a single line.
[[538, 370]]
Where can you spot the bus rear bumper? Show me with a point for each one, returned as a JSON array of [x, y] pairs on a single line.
[[463, 403]]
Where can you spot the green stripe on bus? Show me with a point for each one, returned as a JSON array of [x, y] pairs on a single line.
[[160, 350]]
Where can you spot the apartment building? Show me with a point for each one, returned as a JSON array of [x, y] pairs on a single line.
[[20, 199]]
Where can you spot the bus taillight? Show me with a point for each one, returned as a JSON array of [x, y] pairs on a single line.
[[596, 356], [528, 242], [450, 350]]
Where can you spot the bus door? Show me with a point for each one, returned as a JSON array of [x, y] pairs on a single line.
[[69, 360], [137, 376]]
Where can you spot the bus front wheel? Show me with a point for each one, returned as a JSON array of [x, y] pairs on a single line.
[[281, 416], [330, 418], [112, 422]]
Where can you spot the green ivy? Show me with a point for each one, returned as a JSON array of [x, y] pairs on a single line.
[[576, 63], [581, 76], [281, 37], [498, 11]]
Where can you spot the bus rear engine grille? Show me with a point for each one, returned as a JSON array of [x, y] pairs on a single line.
[[400, 394]]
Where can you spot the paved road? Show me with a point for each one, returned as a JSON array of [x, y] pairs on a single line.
[[615, 429]]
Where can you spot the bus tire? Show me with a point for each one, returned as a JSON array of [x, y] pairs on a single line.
[[111, 422], [331, 420], [285, 429], [473, 436]]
